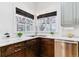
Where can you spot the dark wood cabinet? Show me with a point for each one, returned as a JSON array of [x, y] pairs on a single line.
[[31, 48], [20, 53], [38, 47], [27, 48], [13, 49], [47, 47]]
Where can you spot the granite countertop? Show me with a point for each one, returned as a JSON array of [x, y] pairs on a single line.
[[8, 41]]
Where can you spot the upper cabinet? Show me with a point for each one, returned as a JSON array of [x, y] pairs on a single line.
[[69, 14], [77, 13]]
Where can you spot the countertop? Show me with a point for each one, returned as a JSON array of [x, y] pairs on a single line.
[[8, 41]]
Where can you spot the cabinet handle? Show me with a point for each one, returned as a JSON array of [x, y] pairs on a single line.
[[17, 50]]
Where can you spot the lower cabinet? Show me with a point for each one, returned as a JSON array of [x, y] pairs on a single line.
[[31, 48], [47, 47], [71, 49], [13, 50], [59, 48], [27, 48], [66, 48], [41, 47], [38, 47]]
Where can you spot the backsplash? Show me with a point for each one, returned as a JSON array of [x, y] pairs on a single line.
[[74, 31]]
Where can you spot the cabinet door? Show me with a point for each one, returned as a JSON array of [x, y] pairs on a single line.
[[71, 49], [67, 14], [77, 13], [59, 48], [31, 48], [47, 47], [66, 48]]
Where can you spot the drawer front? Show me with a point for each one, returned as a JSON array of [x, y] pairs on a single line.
[[18, 54], [7, 50]]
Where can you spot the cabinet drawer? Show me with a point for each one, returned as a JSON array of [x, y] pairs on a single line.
[[17, 54], [7, 50]]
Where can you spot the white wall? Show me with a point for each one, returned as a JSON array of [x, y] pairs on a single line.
[[7, 15], [26, 6], [46, 7]]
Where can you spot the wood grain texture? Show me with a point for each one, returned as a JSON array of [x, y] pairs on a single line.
[[17, 54], [31, 48], [71, 50], [11, 49], [74, 50], [47, 47], [59, 48]]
